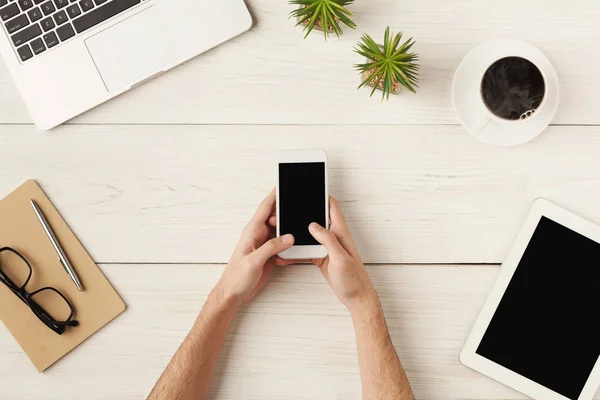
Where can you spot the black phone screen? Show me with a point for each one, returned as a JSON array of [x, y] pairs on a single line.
[[301, 200]]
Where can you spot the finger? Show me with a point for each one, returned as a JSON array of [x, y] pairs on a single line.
[[265, 209], [271, 248], [319, 262], [281, 262], [340, 228], [323, 265], [327, 239], [273, 221], [336, 215]]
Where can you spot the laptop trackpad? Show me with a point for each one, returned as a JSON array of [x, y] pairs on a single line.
[[132, 50]]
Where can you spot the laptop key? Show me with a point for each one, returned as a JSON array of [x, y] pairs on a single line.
[[86, 5], [48, 7], [98, 2], [35, 14], [103, 13], [50, 39], [65, 32], [37, 46], [26, 4], [61, 3], [25, 53], [25, 35], [47, 24], [3, 3], [74, 11], [17, 23], [9, 11], [60, 17]]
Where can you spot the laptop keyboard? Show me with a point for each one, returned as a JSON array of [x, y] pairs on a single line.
[[34, 26]]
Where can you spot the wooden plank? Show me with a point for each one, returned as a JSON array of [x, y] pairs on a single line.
[[271, 76], [419, 194], [295, 341]]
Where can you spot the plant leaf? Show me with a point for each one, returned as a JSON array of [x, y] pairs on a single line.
[[389, 64], [329, 12]]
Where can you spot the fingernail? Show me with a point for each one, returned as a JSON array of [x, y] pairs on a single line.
[[287, 239], [314, 227]]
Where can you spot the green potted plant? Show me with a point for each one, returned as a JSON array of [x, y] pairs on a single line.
[[388, 67], [324, 15]]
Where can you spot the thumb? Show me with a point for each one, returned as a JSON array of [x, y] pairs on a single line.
[[326, 238], [271, 248]]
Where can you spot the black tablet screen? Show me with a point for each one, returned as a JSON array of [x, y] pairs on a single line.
[[547, 325]]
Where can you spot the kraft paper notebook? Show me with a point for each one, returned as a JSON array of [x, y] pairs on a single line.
[[97, 305]]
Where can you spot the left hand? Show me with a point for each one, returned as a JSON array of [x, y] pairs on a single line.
[[254, 256]]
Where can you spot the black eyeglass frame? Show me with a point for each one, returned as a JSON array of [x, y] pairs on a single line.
[[26, 297]]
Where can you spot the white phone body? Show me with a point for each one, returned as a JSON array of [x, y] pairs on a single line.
[[304, 189]]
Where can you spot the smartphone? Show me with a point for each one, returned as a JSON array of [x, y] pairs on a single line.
[[302, 198]]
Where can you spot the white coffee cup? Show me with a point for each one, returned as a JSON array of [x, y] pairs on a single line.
[[471, 109], [489, 115]]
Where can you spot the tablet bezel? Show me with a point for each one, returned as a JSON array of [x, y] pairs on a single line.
[[469, 357]]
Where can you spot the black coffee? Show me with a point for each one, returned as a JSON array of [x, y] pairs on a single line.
[[513, 88]]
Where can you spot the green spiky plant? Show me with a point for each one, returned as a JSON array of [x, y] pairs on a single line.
[[388, 66], [323, 13]]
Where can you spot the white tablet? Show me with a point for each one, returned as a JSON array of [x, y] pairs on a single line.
[[539, 330]]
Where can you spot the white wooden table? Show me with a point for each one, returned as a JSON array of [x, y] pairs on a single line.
[[159, 182]]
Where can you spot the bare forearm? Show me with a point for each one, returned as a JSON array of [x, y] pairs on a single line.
[[382, 374], [190, 372]]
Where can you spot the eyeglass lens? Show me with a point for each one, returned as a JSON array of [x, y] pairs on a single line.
[[14, 267]]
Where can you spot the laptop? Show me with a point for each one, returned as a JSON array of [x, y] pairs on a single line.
[[68, 56]]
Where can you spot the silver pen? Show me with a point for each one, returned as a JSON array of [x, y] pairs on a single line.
[[59, 250]]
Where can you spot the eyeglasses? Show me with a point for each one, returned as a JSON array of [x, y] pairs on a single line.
[[46, 303]]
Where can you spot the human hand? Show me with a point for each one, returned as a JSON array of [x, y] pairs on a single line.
[[343, 267], [254, 256]]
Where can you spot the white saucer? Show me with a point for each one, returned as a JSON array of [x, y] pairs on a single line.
[[470, 109]]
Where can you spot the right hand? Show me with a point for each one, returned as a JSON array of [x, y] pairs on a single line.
[[343, 268]]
